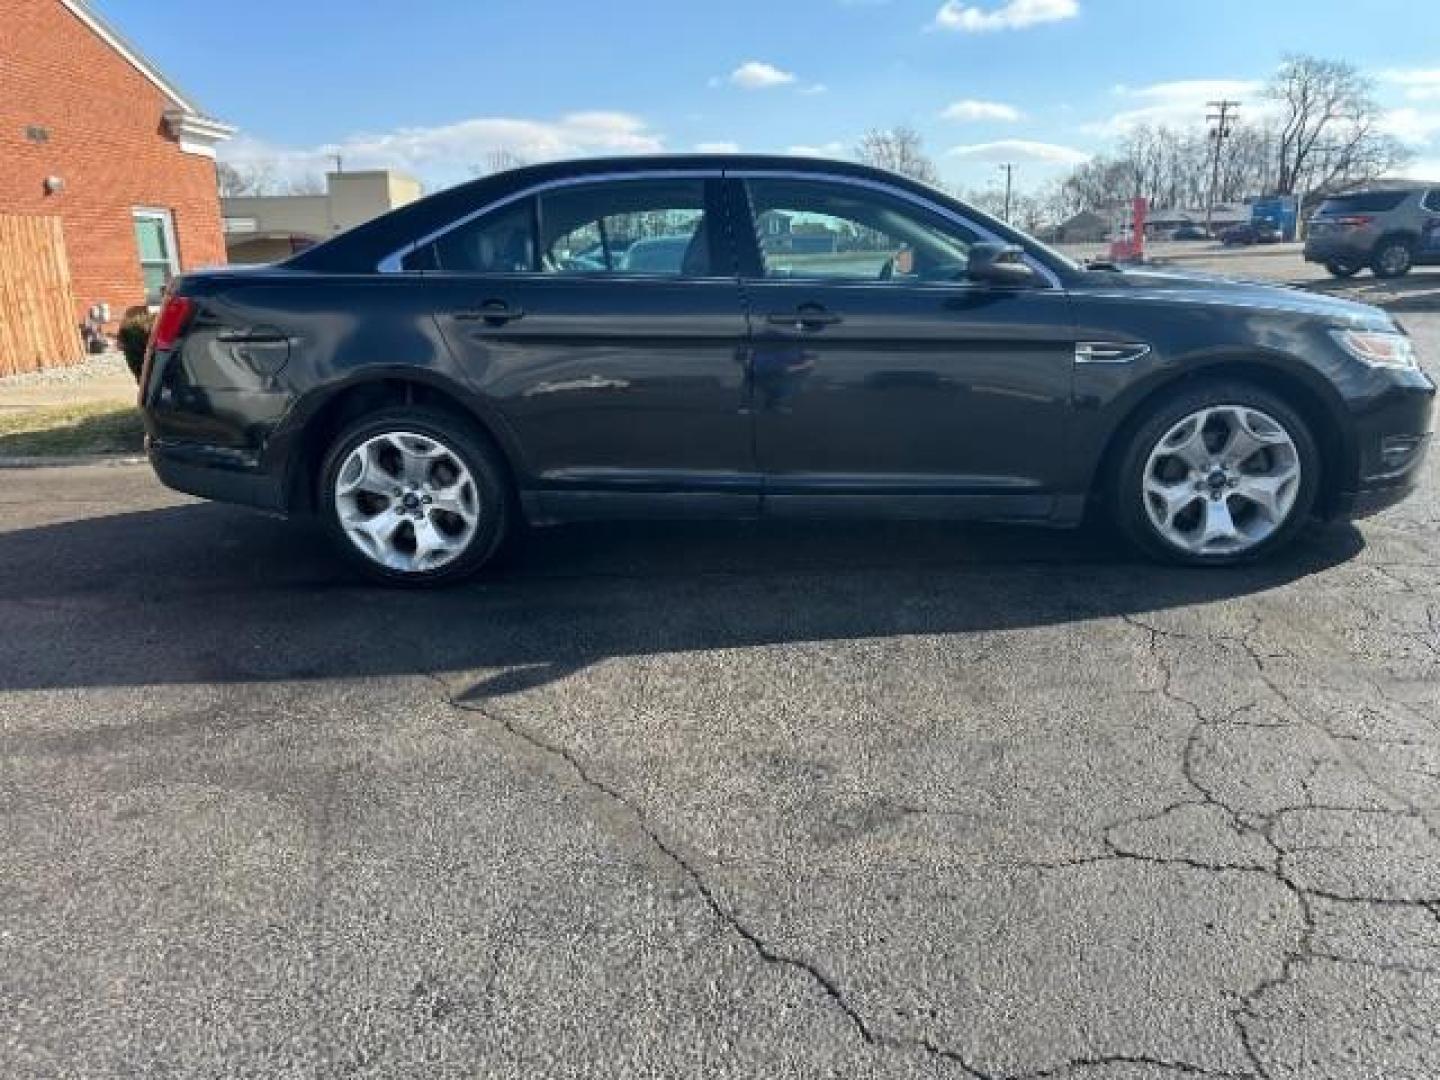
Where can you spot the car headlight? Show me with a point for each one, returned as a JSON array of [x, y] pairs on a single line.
[[1378, 348]]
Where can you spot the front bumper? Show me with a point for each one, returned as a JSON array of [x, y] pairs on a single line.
[[1393, 435], [215, 473]]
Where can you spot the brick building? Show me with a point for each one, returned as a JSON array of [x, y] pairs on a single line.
[[93, 133]]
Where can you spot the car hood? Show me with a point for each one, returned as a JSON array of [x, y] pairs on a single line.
[[1195, 287]]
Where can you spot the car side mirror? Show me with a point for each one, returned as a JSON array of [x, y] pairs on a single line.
[[993, 263]]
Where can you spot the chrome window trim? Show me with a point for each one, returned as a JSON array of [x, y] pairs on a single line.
[[888, 189], [393, 263]]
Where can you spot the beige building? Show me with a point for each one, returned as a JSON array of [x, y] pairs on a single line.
[[267, 228]]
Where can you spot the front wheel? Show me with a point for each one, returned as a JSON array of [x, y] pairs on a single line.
[[1217, 474], [414, 496]]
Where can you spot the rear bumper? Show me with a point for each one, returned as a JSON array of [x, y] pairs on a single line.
[[215, 473], [1336, 249]]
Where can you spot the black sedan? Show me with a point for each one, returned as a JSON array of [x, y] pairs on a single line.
[[799, 338]]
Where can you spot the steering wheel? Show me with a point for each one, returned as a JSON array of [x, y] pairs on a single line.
[[887, 271]]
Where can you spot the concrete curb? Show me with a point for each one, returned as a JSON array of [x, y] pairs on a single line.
[[59, 461]]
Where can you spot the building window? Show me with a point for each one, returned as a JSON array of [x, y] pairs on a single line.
[[155, 239]]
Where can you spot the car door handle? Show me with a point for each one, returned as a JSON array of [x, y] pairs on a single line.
[[494, 312], [804, 317]]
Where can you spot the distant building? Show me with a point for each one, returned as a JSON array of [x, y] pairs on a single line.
[[267, 228], [1160, 222], [95, 137], [1086, 227]]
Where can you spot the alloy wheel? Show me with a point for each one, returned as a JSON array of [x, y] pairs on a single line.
[[1394, 260], [1222, 480], [407, 501]]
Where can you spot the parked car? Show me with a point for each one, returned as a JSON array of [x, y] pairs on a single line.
[[1389, 231], [427, 381], [1190, 232], [1251, 232]]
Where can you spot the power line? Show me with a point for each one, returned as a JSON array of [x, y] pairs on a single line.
[[1220, 118]]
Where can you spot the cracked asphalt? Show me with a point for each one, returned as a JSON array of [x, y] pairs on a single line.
[[743, 801]]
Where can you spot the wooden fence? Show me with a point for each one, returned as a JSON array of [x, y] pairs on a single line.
[[38, 324]]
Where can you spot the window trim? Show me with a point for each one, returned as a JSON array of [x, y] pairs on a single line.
[[166, 217], [392, 263]]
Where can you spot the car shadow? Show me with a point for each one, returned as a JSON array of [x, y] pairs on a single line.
[[209, 594]]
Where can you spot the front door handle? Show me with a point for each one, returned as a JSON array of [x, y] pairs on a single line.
[[494, 312], [804, 317]]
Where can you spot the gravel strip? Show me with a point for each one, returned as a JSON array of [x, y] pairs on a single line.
[[99, 366]]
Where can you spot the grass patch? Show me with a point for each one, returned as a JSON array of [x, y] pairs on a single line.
[[97, 427]]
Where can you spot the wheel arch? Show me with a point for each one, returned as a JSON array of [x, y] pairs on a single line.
[[1317, 404], [314, 428]]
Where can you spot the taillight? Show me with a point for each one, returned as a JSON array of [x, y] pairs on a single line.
[[174, 317]]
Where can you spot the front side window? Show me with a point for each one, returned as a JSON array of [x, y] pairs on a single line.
[[817, 229], [501, 242], [655, 227], [155, 241]]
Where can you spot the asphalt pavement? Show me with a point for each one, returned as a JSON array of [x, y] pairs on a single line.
[[742, 801]]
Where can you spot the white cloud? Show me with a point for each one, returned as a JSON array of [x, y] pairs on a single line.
[[835, 149], [1019, 150], [717, 148], [970, 109], [758, 75], [1426, 169], [1010, 15], [815, 88], [1419, 84], [1412, 126], [1179, 104], [450, 152]]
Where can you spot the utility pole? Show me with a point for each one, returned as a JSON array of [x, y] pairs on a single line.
[[1220, 117], [1009, 177]]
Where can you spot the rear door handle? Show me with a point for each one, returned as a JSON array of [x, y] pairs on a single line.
[[804, 317], [494, 312]]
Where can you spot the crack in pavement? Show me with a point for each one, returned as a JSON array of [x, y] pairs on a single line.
[[767, 953]]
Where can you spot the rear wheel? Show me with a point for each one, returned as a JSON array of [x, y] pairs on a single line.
[[1217, 474], [1393, 258], [414, 496], [1342, 269]]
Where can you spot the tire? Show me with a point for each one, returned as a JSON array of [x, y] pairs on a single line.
[[1342, 270], [406, 473], [1393, 258], [1260, 532]]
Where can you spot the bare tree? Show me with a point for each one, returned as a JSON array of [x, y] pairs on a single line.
[[1329, 130], [497, 161], [901, 150], [246, 178], [307, 184]]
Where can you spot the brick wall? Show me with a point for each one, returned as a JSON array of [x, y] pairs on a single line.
[[107, 141]]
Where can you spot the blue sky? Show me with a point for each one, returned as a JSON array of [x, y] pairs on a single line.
[[435, 86]]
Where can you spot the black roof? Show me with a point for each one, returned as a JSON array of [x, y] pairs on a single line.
[[362, 247]]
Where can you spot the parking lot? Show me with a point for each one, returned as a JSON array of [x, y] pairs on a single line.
[[749, 801]]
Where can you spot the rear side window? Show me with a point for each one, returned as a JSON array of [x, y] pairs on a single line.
[[1432, 200], [502, 242], [655, 227], [1364, 202]]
